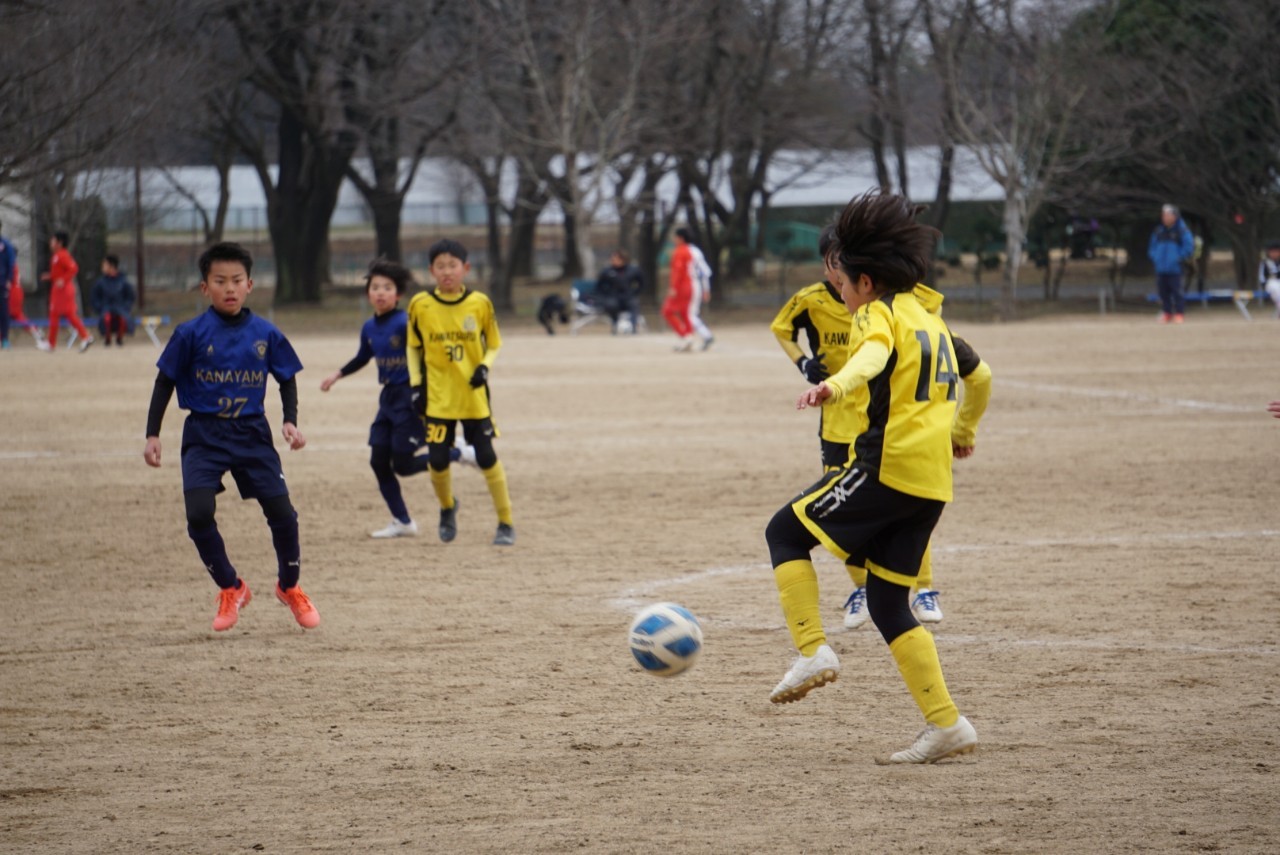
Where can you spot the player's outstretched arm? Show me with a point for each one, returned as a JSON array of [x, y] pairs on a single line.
[[151, 453]]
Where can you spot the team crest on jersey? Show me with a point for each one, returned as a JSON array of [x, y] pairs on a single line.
[[261, 348], [210, 350], [469, 323], [862, 319], [395, 342]]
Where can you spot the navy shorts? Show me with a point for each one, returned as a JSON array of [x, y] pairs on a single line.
[[397, 425], [213, 446]]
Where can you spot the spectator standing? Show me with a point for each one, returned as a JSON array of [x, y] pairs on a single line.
[[1269, 273], [1171, 244], [8, 261]]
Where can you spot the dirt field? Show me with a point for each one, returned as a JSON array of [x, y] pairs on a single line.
[[1107, 569]]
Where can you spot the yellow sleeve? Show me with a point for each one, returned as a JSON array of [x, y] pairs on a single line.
[[492, 339], [413, 347], [875, 323], [977, 392], [784, 330]]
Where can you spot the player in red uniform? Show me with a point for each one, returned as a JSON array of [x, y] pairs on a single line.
[[17, 316], [62, 292], [680, 291]]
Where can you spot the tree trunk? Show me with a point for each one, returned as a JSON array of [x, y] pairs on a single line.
[[387, 209], [299, 209], [1013, 234], [571, 266]]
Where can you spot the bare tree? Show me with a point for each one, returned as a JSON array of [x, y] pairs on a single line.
[[1018, 106]]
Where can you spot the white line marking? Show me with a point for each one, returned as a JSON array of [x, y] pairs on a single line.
[[1118, 394], [633, 598]]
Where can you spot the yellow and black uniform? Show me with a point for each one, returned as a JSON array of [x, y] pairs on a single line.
[[818, 311], [886, 502], [453, 341], [976, 376]]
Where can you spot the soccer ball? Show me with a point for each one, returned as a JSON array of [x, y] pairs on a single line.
[[665, 639]]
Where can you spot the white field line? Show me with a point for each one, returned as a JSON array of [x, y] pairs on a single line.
[[633, 598], [1138, 397], [105, 455]]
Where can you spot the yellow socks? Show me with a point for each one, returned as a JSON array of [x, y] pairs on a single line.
[[442, 483], [798, 591], [496, 477], [917, 659]]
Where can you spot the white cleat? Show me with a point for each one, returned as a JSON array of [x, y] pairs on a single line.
[[397, 529], [938, 743], [87, 343], [466, 453], [807, 673], [855, 609], [924, 605]]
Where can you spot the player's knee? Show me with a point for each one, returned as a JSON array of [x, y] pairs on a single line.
[[787, 537], [486, 457], [278, 509], [201, 505], [380, 462], [438, 456], [406, 463], [889, 605]]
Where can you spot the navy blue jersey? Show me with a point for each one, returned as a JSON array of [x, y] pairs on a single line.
[[382, 339], [220, 365]]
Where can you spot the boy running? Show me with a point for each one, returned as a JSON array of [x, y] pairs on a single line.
[[61, 277], [219, 362], [397, 434], [882, 507], [453, 342]]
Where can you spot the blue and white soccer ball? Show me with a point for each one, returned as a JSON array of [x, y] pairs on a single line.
[[665, 639]]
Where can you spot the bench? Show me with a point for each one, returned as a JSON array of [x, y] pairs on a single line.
[[1240, 299], [149, 324]]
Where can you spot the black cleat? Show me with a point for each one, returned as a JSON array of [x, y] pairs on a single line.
[[449, 522]]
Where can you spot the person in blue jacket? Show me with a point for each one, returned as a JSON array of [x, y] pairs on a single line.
[[1171, 244]]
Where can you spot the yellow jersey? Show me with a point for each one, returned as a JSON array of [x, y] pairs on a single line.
[[448, 338], [911, 403], [818, 311]]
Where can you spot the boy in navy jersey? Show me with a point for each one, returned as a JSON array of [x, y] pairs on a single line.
[[219, 362], [397, 433]]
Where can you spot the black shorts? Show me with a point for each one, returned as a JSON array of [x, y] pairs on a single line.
[[444, 431], [834, 454], [855, 516]]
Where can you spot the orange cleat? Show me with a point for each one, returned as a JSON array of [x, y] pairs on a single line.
[[1177, 319], [300, 604], [230, 602]]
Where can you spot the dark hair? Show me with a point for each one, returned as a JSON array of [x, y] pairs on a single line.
[[397, 273], [113, 260], [63, 238], [622, 253], [877, 234], [684, 234], [225, 251], [446, 246], [826, 240]]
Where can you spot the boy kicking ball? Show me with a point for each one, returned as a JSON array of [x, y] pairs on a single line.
[[883, 505], [219, 363]]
